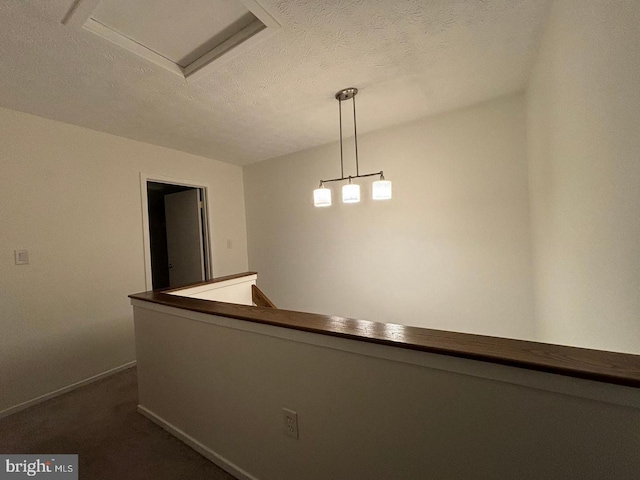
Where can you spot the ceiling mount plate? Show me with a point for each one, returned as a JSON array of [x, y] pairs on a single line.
[[346, 94]]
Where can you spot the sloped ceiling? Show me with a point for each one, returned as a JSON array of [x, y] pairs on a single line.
[[409, 58]]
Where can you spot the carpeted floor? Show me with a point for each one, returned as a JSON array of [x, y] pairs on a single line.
[[100, 423]]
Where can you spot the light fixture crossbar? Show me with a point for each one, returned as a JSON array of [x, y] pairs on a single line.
[[380, 174]]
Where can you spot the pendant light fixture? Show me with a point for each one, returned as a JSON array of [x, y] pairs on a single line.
[[380, 189]]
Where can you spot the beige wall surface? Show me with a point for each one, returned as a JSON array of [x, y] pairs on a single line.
[[71, 196], [451, 250], [396, 416], [583, 109]]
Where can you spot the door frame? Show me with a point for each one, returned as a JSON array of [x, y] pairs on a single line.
[[207, 225]]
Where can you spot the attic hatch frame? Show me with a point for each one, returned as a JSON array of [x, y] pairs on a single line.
[[80, 16]]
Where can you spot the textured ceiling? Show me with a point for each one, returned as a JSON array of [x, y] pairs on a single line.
[[409, 58]]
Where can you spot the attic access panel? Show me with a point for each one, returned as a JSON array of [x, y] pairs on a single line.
[[182, 37]]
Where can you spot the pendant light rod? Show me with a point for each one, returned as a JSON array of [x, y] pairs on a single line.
[[355, 131], [341, 96], [341, 155]]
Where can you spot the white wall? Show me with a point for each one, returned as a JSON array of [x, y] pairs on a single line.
[[584, 145], [71, 196], [451, 250]]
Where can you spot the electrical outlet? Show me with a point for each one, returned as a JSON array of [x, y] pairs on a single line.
[[290, 422], [22, 257]]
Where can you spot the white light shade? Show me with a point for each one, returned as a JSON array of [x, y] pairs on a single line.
[[322, 197], [381, 190], [351, 193]]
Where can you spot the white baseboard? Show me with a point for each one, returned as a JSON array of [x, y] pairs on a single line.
[[68, 388], [206, 452]]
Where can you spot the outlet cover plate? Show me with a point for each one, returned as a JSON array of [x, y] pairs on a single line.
[[290, 423]]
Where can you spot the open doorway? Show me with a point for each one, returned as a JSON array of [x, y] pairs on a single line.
[[177, 226]]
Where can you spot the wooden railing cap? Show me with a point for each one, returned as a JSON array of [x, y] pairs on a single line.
[[598, 365]]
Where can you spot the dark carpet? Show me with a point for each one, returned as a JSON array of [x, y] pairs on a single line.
[[100, 423]]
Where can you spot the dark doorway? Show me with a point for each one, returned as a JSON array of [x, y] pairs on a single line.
[[159, 244]]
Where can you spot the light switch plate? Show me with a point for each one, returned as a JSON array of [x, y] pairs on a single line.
[[22, 257]]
